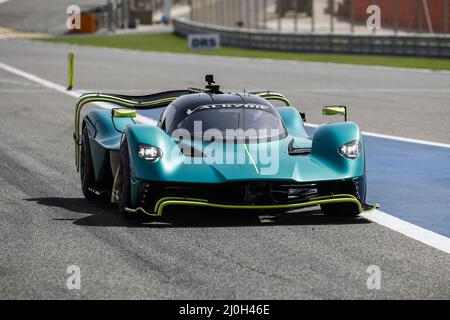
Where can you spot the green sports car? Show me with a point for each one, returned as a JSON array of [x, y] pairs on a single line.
[[206, 148]]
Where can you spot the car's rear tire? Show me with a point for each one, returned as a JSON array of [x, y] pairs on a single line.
[[340, 209], [87, 168]]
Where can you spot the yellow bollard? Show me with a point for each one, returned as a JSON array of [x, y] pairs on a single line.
[[71, 57]]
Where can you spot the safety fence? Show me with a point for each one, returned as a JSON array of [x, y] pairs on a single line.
[[409, 45], [334, 16]]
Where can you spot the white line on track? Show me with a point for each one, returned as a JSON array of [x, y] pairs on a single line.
[[245, 59], [23, 91], [410, 230], [62, 89], [431, 238], [21, 83]]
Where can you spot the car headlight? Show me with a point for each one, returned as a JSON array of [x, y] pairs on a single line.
[[351, 150], [149, 153]]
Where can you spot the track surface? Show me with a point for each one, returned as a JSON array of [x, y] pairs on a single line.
[[46, 225], [43, 16]]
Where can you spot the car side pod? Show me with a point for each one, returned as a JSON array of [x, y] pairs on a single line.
[[179, 201], [130, 102]]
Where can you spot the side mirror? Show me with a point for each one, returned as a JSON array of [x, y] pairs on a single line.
[[124, 113], [335, 110]]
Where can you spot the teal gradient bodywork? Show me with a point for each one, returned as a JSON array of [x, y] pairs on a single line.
[[249, 161], [324, 163], [103, 138]]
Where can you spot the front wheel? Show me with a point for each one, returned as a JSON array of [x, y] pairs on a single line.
[[345, 209], [340, 209], [125, 182]]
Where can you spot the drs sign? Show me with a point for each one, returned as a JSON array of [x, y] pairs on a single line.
[[204, 41]]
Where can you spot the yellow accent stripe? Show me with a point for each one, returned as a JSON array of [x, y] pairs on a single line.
[[274, 96], [251, 158], [174, 201], [332, 196], [158, 203], [373, 207]]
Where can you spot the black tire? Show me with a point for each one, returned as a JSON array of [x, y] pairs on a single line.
[[87, 168], [125, 182], [340, 209]]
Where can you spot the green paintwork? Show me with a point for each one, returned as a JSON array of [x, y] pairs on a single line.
[[323, 164], [249, 161], [99, 97]]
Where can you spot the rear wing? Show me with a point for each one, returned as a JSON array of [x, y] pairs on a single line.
[[146, 102], [270, 95]]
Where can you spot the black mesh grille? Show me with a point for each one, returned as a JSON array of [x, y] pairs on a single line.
[[245, 193]]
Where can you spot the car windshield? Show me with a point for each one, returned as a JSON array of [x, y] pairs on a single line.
[[249, 122]]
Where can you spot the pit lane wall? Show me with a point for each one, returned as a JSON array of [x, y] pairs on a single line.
[[406, 45]]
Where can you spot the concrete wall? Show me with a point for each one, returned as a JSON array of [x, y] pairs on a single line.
[[411, 45]]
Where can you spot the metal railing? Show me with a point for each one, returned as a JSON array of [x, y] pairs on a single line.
[[331, 16], [410, 44]]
